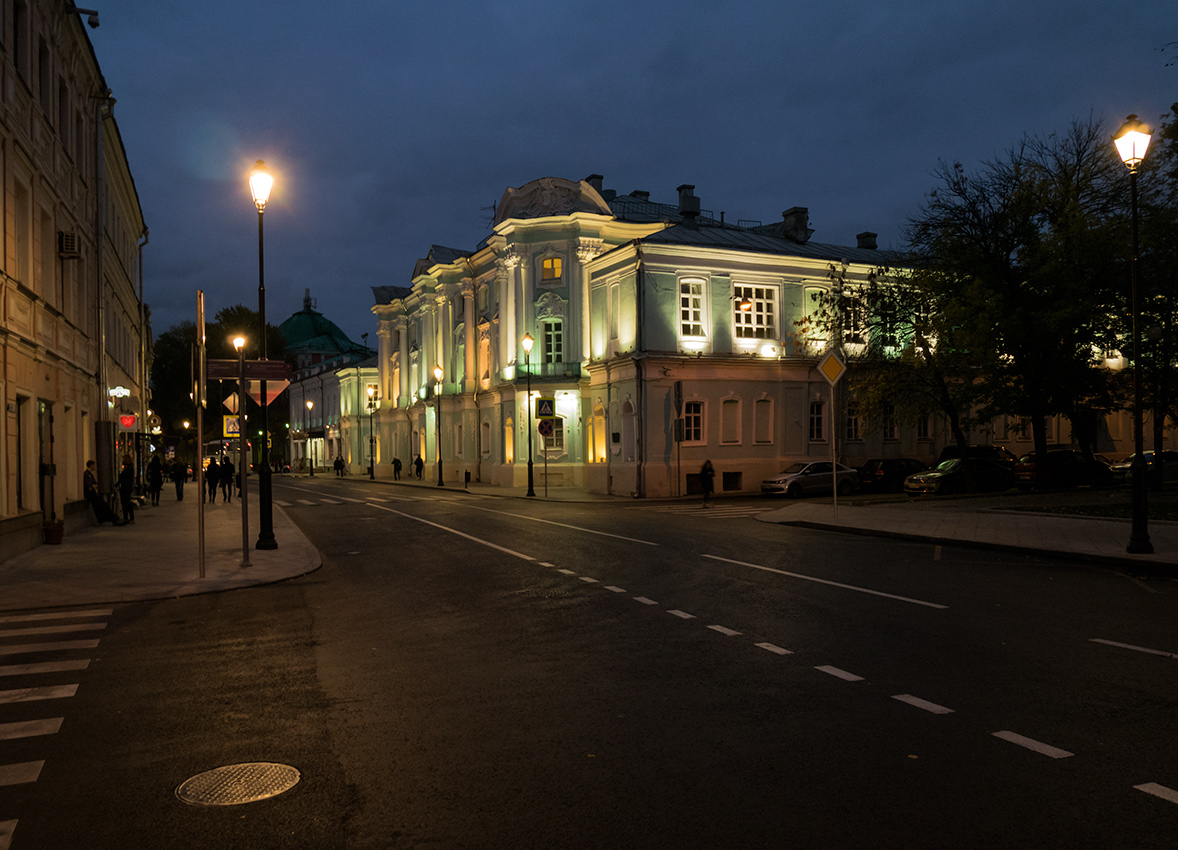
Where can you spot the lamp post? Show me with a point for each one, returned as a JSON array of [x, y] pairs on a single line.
[[527, 343], [1132, 140], [310, 445], [239, 344], [438, 373], [371, 436], [260, 185]]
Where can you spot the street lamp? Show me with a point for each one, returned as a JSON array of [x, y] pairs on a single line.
[[438, 373], [1132, 140], [239, 344], [371, 437], [260, 185], [527, 343], [310, 445]]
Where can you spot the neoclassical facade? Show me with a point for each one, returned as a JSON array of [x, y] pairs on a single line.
[[74, 335]]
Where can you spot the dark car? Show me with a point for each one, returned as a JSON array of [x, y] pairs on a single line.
[[887, 474], [985, 452], [1169, 466], [1064, 468], [949, 476]]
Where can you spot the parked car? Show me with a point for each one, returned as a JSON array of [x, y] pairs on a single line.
[[887, 474], [1169, 466], [1065, 468], [805, 477], [986, 452], [949, 476]]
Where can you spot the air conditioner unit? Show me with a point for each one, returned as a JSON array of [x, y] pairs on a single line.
[[68, 247]]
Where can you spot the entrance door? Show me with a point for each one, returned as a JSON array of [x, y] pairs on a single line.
[[47, 468]]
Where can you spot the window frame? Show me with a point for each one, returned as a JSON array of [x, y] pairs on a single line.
[[693, 315], [759, 323], [696, 435]]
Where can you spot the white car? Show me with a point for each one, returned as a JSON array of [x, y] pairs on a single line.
[[812, 477]]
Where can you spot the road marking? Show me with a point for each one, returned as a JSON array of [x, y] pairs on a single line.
[[546, 564], [564, 525], [52, 630], [19, 774], [1032, 744], [644, 600], [30, 728], [7, 827], [567, 572], [842, 674], [774, 648], [615, 589], [328, 501], [1168, 794], [724, 631], [470, 537], [63, 615], [34, 694], [305, 502], [826, 581], [44, 667], [282, 504], [923, 703], [589, 580], [1135, 648], [683, 615], [21, 649]]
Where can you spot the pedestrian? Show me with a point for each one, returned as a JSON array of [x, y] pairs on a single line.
[[102, 511], [419, 465], [179, 476], [212, 479], [226, 480], [155, 479], [339, 466], [396, 469], [706, 475], [126, 488]]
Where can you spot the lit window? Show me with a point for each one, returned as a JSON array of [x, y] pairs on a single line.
[[853, 320], [554, 342], [615, 306], [693, 422], [691, 308], [754, 311], [550, 270], [817, 432]]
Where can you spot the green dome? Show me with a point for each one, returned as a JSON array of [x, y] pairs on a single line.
[[310, 332]]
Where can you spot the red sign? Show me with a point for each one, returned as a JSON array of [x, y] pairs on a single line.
[[128, 420]]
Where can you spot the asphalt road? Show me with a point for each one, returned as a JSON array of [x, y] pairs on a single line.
[[472, 672]]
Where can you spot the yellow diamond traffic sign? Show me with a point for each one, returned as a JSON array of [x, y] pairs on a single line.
[[832, 368]]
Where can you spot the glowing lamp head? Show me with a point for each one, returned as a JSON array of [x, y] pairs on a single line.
[[260, 184], [371, 393], [438, 373], [527, 342], [238, 343], [745, 305], [310, 404], [1132, 140], [187, 424]]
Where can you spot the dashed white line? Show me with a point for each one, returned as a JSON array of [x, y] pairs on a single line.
[[644, 600], [327, 501], [20, 774], [305, 502], [589, 580], [546, 564], [1168, 794], [774, 648], [35, 694], [1135, 648], [724, 630], [567, 572], [615, 589], [681, 614], [841, 674], [30, 728], [1032, 744], [923, 703]]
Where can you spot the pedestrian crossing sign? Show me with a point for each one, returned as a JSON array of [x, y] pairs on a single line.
[[231, 426], [546, 408]]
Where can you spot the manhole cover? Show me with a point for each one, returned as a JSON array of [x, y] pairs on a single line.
[[238, 783]]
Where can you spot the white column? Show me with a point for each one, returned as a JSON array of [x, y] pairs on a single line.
[[469, 366]]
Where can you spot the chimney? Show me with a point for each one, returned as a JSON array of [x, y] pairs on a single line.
[[594, 180], [866, 239], [795, 224], [688, 202], [640, 194]]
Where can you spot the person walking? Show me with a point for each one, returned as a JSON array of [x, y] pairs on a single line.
[[226, 480], [396, 469], [706, 476], [155, 479], [126, 488], [212, 479], [102, 511], [419, 465], [179, 476]]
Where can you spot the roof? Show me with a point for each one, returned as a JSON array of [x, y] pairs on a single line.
[[738, 239], [389, 294], [309, 330]]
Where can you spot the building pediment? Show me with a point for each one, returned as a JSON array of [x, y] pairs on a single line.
[[550, 196]]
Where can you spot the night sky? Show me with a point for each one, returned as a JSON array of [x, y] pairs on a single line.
[[392, 126]]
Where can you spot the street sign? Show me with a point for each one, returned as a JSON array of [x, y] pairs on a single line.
[[258, 370], [832, 368], [546, 408], [546, 427], [231, 426]]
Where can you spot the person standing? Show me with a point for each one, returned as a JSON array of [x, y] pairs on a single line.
[[179, 476], [419, 465], [396, 469], [126, 488], [155, 479], [102, 511], [339, 466], [212, 479], [226, 480], [706, 476]]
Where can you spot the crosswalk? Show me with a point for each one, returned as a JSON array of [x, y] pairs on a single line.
[[713, 511], [326, 500], [48, 651]]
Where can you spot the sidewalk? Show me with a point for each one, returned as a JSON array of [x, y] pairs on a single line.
[[156, 558]]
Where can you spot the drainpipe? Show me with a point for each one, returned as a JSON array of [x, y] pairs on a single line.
[[142, 463], [639, 377]]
